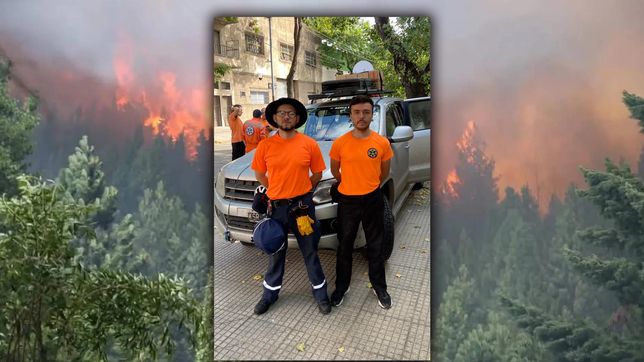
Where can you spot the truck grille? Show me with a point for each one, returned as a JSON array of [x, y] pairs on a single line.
[[240, 189], [238, 222]]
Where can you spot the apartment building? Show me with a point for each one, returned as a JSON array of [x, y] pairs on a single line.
[[242, 45]]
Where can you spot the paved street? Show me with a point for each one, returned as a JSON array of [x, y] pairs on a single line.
[[294, 329]]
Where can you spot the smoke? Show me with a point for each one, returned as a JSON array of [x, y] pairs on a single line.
[[73, 55], [543, 84], [542, 80]]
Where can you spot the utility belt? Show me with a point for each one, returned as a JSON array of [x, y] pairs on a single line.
[[286, 202], [298, 210]]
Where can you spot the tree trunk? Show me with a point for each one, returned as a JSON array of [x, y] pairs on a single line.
[[411, 76], [296, 47]]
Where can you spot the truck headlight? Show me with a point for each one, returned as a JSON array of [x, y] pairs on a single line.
[[322, 193], [220, 187]]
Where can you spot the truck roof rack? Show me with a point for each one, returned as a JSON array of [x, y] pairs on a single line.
[[348, 88]]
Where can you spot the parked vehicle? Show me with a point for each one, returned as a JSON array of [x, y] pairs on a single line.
[[327, 120]]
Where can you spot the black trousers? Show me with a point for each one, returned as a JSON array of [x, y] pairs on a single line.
[[352, 210], [239, 149]]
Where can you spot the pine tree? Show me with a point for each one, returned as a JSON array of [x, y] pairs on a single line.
[[473, 203], [495, 341], [159, 225], [619, 195], [193, 260], [84, 180], [453, 319]]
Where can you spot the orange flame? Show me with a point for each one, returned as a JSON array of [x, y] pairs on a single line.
[[449, 186], [171, 110], [464, 144]]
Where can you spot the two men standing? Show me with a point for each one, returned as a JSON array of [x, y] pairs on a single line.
[[360, 161]]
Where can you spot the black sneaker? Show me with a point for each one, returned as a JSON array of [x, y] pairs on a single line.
[[324, 306], [337, 297], [262, 306], [383, 299]]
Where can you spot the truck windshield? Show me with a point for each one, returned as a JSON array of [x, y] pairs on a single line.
[[329, 123]]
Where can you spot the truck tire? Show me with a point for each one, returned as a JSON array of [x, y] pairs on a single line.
[[388, 231]]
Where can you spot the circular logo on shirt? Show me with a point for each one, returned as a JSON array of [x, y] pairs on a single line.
[[372, 153], [250, 130]]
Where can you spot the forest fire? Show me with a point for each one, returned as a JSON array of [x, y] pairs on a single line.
[[171, 111], [130, 90]]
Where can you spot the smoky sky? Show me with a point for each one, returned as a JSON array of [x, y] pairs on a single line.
[[541, 79]]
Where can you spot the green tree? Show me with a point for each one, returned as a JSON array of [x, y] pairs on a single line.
[[158, 225], [453, 319], [17, 121], [84, 180], [408, 42], [346, 41], [495, 341], [619, 195], [635, 105], [206, 351], [53, 308]]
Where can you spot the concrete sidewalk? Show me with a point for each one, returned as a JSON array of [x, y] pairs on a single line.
[[357, 330]]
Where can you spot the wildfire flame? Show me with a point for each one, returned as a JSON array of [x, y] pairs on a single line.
[[171, 111], [465, 145], [449, 186], [467, 148]]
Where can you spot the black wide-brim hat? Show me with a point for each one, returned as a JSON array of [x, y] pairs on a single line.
[[271, 108]]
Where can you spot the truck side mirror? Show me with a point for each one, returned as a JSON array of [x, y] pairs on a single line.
[[401, 134]]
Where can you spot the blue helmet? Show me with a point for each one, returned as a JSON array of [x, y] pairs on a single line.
[[269, 236]]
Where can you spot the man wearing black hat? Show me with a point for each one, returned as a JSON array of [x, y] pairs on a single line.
[[282, 164]]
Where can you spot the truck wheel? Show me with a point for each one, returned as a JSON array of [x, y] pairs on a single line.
[[388, 234]]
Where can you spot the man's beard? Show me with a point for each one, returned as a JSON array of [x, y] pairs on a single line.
[[286, 128]]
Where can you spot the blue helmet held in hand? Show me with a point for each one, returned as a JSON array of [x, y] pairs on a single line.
[[269, 236]]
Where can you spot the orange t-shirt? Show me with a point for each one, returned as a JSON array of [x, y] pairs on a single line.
[[287, 163], [236, 131], [360, 160], [254, 133]]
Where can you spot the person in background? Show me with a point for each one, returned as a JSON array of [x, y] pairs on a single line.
[[236, 131], [254, 131]]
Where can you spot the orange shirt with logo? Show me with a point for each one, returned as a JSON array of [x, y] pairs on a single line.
[[236, 128], [360, 160], [287, 163], [254, 133]]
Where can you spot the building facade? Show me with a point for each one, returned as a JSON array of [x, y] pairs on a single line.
[[242, 52]]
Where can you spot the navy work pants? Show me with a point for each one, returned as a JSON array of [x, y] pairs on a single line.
[[308, 246]]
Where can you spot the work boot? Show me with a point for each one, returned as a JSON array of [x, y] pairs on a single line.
[[324, 306], [262, 306]]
